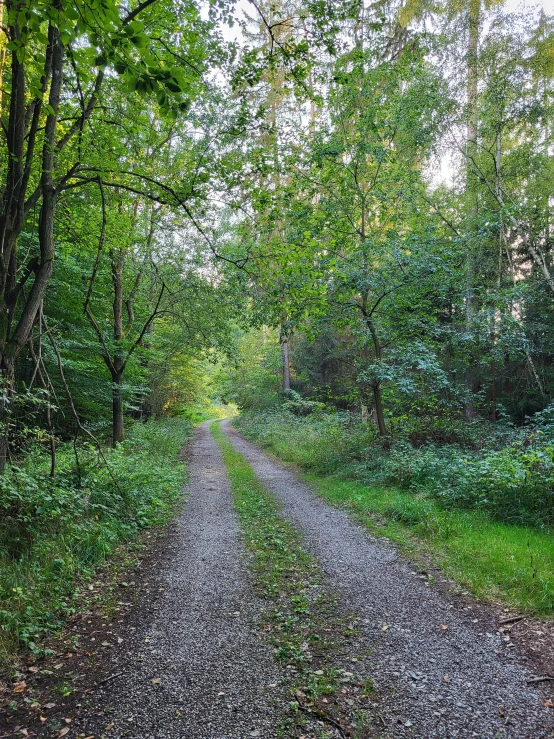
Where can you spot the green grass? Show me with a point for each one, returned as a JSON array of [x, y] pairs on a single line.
[[302, 620], [56, 533], [495, 561], [208, 410]]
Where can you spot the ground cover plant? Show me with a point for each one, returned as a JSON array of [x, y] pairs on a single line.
[[447, 501], [308, 632], [55, 532]]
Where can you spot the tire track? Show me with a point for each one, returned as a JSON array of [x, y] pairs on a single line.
[[436, 682], [198, 668]]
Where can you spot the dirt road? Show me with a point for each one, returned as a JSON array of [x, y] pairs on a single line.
[[197, 666]]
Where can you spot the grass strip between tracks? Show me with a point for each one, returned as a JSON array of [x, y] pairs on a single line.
[[309, 635]]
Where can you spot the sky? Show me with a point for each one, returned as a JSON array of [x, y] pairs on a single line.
[[548, 5], [234, 34]]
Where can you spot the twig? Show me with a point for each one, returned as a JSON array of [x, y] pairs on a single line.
[[511, 620], [99, 683], [107, 679], [100, 245], [543, 679], [74, 410], [324, 717]]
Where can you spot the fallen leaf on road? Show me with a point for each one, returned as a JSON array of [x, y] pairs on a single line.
[[444, 627], [109, 726], [33, 669], [318, 672], [50, 705], [43, 719], [254, 733], [446, 679], [65, 731], [549, 704], [20, 687], [221, 693], [384, 628], [156, 681]]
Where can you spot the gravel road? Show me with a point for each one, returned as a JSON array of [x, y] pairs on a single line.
[[198, 668], [453, 682]]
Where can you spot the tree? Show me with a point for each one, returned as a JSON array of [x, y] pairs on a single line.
[[55, 80]]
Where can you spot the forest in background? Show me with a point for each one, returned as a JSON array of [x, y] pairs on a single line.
[[337, 216]]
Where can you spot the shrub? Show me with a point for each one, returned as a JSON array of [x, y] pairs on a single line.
[[514, 484], [54, 532]]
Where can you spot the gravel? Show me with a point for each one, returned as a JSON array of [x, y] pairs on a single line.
[[453, 682], [197, 668]]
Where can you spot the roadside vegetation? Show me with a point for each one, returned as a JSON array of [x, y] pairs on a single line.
[[484, 515], [56, 532], [309, 634]]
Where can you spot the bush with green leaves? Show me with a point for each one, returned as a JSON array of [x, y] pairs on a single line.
[[322, 442], [55, 532], [512, 482]]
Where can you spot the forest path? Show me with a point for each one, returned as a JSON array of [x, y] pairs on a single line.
[[445, 683], [197, 667]]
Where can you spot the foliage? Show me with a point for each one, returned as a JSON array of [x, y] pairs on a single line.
[[513, 483], [252, 380], [55, 532]]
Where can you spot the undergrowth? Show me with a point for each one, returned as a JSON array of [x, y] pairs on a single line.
[[303, 622], [507, 473], [55, 532], [414, 496]]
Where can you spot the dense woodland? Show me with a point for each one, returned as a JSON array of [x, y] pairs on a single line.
[[336, 216]]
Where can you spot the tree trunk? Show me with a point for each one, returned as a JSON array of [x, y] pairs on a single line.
[[7, 370], [379, 410], [474, 24], [286, 362], [12, 218], [494, 410], [376, 387], [118, 262], [118, 428]]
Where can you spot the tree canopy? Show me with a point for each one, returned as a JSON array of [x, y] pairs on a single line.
[[370, 180]]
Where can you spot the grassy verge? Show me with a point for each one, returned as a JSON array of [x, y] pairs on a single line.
[[56, 532], [495, 561], [302, 620]]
